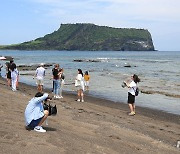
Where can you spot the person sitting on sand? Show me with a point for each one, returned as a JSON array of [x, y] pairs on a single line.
[[40, 73], [131, 93], [35, 114]]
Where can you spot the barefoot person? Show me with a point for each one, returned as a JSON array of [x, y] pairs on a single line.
[[86, 80], [131, 93], [40, 73], [35, 114]]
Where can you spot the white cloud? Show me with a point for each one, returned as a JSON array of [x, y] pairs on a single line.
[[163, 10]]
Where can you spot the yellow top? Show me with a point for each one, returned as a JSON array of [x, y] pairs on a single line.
[[86, 77]]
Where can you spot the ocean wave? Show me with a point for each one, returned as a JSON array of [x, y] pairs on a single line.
[[154, 61], [160, 92]]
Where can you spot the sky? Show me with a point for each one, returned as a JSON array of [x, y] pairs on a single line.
[[25, 20]]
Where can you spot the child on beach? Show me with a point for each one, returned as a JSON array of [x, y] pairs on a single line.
[[86, 80], [131, 93], [79, 84]]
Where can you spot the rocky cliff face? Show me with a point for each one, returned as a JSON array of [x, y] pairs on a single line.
[[92, 38]]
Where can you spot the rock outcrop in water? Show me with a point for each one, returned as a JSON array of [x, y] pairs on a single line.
[[90, 37]]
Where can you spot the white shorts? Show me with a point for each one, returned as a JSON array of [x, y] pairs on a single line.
[[40, 82], [86, 83]]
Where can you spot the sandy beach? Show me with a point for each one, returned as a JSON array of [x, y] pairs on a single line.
[[95, 126]]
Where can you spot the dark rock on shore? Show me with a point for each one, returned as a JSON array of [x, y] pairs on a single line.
[[31, 67], [86, 60]]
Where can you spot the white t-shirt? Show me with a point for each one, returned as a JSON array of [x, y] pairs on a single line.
[[40, 73], [132, 88]]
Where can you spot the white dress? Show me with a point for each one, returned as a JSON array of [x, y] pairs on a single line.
[[79, 82]]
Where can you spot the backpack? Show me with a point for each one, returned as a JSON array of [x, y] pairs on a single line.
[[62, 76], [136, 91], [52, 109]]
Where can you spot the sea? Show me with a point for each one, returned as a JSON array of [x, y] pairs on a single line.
[[159, 72]]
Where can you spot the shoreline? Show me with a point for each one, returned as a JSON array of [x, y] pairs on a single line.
[[96, 126]]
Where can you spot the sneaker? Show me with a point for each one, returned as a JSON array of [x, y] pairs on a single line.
[[78, 100], [82, 100], [39, 129], [131, 114], [58, 97], [61, 97]]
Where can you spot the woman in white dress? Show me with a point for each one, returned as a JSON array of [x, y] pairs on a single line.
[[14, 76], [79, 83]]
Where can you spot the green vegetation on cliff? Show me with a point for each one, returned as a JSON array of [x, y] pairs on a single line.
[[92, 38]]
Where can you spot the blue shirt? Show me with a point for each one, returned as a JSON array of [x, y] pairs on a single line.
[[34, 109]]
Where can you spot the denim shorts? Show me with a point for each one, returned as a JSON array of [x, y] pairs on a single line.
[[34, 123]]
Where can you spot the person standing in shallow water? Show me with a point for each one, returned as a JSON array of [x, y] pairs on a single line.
[[131, 93]]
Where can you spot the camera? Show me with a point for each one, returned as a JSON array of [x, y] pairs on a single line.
[[48, 98], [124, 84]]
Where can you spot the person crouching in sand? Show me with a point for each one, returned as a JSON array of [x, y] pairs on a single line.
[[35, 114], [131, 93]]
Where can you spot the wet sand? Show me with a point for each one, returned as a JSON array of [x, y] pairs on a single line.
[[95, 126]]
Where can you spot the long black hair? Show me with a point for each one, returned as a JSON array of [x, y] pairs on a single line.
[[13, 66], [86, 73], [136, 78], [80, 72]]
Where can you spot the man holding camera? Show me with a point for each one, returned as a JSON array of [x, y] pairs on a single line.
[[35, 114]]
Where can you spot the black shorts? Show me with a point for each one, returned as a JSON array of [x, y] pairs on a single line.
[[131, 98], [34, 123], [9, 75]]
